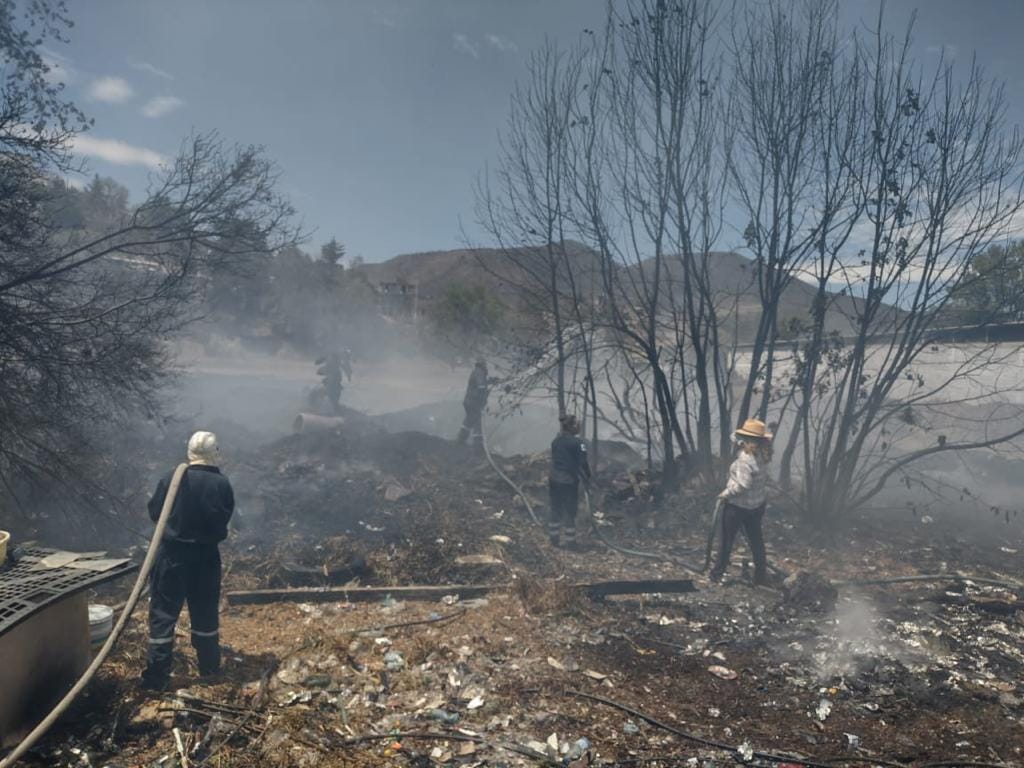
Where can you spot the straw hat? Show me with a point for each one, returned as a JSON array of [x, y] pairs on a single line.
[[754, 428]]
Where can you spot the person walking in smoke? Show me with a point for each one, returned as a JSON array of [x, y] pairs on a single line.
[[568, 466], [744, 499], [187, 565], [477, 391], [329, 371]]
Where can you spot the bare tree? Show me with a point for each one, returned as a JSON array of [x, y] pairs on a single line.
[[85, 316], [941, 179]]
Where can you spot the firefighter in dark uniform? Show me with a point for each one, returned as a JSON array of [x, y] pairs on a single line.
[[187, 565], [329, 371], [477, 390], [568, 466]]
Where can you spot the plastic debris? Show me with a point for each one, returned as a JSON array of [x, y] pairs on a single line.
[[745, 751], [823, 710], [443, 716], [578, 748], [723, 672]]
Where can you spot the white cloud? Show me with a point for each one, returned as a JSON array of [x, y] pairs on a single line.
[[110, 90], [161, 105], [115, 151], [502, 44], [145, 66], [462, 44]]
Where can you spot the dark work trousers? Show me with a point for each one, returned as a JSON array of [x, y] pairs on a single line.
[[183, 572], [472, 426], [732, 519], [565, 499]]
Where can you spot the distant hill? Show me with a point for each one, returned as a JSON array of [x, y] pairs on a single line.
[[732, 277]]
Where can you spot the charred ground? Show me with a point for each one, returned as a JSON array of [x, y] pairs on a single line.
[[906, 674]]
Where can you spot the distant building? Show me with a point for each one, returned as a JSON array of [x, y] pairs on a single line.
[[398, 300]]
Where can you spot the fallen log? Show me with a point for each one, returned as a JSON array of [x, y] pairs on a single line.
[[597, 590], [603, 589]]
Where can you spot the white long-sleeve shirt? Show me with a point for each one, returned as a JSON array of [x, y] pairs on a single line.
[[748, 481]]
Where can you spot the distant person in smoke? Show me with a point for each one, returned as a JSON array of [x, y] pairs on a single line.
[[187, 566], [568, 466], [329, 371], [744, 499], [477, 390]]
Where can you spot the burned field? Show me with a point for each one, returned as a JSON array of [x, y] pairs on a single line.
[[910, 673]]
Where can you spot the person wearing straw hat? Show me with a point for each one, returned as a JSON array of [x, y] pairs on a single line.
[[744, 499]]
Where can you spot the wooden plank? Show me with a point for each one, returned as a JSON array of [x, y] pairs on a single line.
[[598, 590], [603, 589]]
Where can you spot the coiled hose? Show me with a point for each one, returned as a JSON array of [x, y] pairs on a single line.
[[147, 565]]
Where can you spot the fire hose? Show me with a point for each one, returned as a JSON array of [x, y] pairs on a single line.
[[594, 527], [147, 565], [506, 478]]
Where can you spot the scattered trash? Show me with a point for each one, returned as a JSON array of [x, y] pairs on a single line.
[[475, 703], [809, 591], [394, 661], [578, 748], [852, 740], [551, 746], [630, 728], [477, 560], [444, 716], [823, 710], [723, 672], [745, 751], [395, 492]]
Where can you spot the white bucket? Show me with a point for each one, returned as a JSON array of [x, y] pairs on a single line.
[[101, 622]]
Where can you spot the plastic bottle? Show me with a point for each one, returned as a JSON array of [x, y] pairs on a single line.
[[577, 750]]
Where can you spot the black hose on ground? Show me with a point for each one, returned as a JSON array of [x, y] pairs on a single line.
[[596, 530], [147, 565]]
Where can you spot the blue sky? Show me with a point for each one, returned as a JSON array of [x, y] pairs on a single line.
[[380, 113]]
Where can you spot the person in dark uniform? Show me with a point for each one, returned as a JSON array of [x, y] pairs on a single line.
[[329, 371], [568, 466], [187, 565], [477, 390]]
